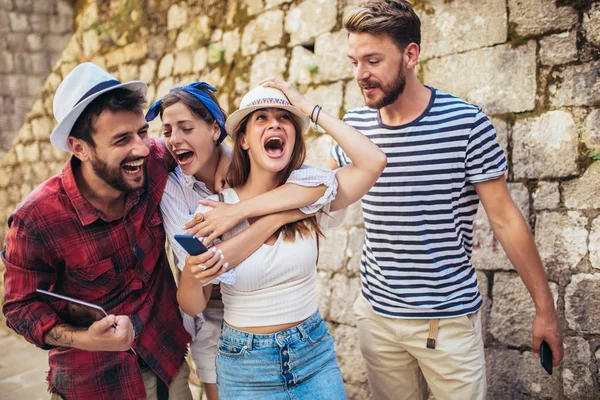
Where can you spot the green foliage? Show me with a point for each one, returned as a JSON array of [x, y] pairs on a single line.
[[593, 155], [313, 69]]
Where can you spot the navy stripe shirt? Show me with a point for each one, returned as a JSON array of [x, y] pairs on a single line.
[[419, 214]]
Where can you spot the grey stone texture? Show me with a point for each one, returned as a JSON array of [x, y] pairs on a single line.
[[575, 85], [545, 146], [561, 239], [513, 310], [533, 17], [494, 87], [581, 303], [530, 65], [309, 19], [458, 26]]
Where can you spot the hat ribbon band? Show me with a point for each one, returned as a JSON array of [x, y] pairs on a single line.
[[99, 87]]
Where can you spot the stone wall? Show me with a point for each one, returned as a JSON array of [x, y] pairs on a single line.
[[34, 35], [532, 65]]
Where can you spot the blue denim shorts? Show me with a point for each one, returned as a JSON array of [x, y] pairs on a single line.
[[296, 363]]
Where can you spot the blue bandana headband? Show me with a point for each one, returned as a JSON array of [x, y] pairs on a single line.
[[195, 89]]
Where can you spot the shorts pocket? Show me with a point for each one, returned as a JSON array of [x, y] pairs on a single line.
[[318, 333], [227, 349]]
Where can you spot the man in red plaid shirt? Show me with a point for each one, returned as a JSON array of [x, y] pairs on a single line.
[[94, 232]]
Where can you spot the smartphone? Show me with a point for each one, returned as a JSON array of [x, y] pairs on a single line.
[[546, 357], [191, 244]]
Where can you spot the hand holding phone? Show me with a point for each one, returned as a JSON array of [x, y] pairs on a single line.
[[191, 244], [546, 357]]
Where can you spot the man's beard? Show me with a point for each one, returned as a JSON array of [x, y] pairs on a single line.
[[391, 92], [114, 176]]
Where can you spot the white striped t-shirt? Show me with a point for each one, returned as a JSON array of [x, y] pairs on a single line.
[[419, 214]]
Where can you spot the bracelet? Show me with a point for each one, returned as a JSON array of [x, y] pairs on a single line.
[[315, 122], [313, 111]]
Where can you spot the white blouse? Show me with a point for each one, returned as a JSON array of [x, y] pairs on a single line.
[[277, 283]]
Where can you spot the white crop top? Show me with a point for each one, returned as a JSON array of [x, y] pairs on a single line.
[[277, 283]]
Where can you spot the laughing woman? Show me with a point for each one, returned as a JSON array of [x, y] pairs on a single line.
[[193, 127], [274, 344]]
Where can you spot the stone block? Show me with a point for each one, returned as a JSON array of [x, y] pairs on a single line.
[[34, 85], [4, 22], [332, 250], [200, 60], [535, 17], [323, 293], [558, 49], [39, 23], [266, 64], [18, 22], [303, 66], [17, 42], [358, 391], [356, 239], [6, 5], [148, 71], [545, 146], [327, 96], [309, 19], [35, 42], [582, 193], [24, 6], [128, 72], [577, 377], [253, 7], [458, 26], [581, 302], [501, 128], [512, 375], [71, 50], [183, 62], [350, 358], [575, 85], [91, 43], [353, 97], [165, 67], [513, 310], [89, 17], [164, 87], [60, 24], [273, 3], [487, 250], [177, 16], [7, 64], [231, 43], [546, 196], [591, 24], [491, 85], [330, 52], [45, 7], [136, 51], [264, 31], [561, 239], [594, 245], [344, 291], [483, 285], [115, 58], [317, 150], [591, 131], [65, 7], [157, 46]]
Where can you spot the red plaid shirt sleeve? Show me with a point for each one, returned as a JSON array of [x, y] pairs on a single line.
[[28, 267]]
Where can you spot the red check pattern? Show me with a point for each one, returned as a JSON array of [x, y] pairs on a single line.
[[57, 241]]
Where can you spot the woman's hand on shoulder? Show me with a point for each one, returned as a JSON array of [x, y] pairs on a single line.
[[222, 218], [204, 268], [293, 95]]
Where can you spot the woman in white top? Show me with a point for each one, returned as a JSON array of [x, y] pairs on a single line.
[[274, 344], [193, 126]]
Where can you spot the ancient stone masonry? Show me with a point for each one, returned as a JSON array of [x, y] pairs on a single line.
[[533, 66], [34, 34]]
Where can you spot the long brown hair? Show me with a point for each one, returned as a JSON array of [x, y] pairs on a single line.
[[239, 171]]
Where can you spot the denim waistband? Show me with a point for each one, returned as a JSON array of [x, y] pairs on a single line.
[[277, 339]]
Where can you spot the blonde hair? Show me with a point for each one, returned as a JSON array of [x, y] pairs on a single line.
[[395, 18]]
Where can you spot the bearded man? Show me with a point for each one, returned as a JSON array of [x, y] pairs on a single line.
[[419, 312]]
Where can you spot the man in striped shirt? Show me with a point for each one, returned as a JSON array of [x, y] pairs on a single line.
[[418, 316]]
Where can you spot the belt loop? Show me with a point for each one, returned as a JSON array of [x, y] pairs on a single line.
[[249, 341], [433, 333], [303, 334]]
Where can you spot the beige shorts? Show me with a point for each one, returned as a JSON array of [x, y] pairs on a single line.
[[204, 345], [400, 366]]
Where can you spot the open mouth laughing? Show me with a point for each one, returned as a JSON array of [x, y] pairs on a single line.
[[275, 145], [134, 167]]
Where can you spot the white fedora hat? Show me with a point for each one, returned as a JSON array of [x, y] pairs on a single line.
[[80, 87], [264, 97]]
